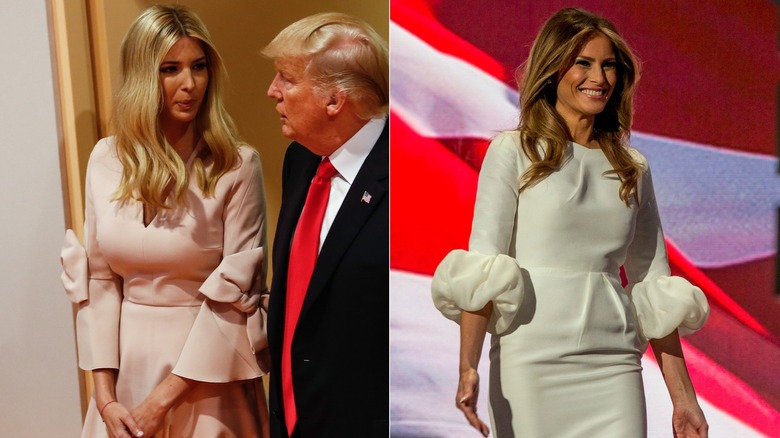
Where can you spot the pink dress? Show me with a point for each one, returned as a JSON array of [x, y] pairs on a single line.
[[177, 296]]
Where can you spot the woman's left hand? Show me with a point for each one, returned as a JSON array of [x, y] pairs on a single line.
[[688, 421], [149, 416]]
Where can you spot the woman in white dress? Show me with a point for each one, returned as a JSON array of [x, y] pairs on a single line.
[[562, 203], [172, 271]]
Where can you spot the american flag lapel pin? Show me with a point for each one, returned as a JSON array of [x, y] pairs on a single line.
[[366, 197]]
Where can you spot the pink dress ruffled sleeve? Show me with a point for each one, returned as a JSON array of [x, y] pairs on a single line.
[[90, 283], [231, 323]]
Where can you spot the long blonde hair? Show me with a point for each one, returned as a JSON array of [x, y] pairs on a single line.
[[149, 162], [554, 51], [340, 52]]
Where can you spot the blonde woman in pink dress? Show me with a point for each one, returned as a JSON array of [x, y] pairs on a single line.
[[171, 277]]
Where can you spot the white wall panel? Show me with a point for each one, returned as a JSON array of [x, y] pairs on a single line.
[[39, 393]]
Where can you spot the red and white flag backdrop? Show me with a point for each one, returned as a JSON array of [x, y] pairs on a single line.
[[706, 120]]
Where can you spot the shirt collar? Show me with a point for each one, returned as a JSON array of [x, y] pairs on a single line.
[[348, 158]]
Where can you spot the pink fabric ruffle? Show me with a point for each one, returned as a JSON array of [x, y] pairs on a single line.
[[219, 332], [75, 268]]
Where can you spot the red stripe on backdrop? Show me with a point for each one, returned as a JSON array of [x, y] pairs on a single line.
[[744, 353], [432, 202], [470, 150], [414, 16], [714, 292], [710, 68], [752, 284]]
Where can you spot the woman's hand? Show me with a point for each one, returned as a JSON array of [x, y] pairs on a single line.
[[466, 399], [119, 422], [688, 421], [473, 326], [150, 415]]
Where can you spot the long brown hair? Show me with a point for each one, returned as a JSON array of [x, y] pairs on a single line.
[[149, 163], [554, 51]]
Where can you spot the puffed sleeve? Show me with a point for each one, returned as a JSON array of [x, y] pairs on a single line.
[[90, 282], [227, 341], [468, 280], [662, 302]]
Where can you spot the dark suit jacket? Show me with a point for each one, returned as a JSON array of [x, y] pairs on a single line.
[[340, 350]]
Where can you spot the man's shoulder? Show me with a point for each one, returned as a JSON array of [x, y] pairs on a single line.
[[298, 151], [299, 164], [378, 160]]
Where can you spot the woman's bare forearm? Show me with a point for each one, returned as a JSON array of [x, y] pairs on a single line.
[[668, 352], [473, 326]]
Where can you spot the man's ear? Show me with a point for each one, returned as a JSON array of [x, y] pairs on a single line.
[[336, 103]]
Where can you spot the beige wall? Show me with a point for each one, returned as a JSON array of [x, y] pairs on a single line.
[[240, 29]]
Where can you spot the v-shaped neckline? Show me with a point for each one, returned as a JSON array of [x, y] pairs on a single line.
[[143, 217], [169, 187]]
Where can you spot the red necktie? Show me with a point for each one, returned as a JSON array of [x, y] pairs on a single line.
[[303, 256]]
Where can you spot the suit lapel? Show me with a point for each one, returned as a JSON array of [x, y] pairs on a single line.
[[353, 214]]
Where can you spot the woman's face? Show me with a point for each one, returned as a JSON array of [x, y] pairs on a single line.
[[184, 76], [587, 86]]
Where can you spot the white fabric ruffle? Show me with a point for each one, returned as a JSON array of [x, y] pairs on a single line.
[[667, 303], [468, 281]]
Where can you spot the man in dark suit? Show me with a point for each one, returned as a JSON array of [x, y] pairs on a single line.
[[328, 320]]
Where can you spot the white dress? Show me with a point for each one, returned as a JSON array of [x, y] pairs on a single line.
[[567, 337]]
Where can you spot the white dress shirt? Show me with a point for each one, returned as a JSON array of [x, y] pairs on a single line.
[[348, 159]]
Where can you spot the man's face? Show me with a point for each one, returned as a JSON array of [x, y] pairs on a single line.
[[302, 109]]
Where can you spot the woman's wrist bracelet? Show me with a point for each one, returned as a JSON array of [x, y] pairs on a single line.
[[100, 410]]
